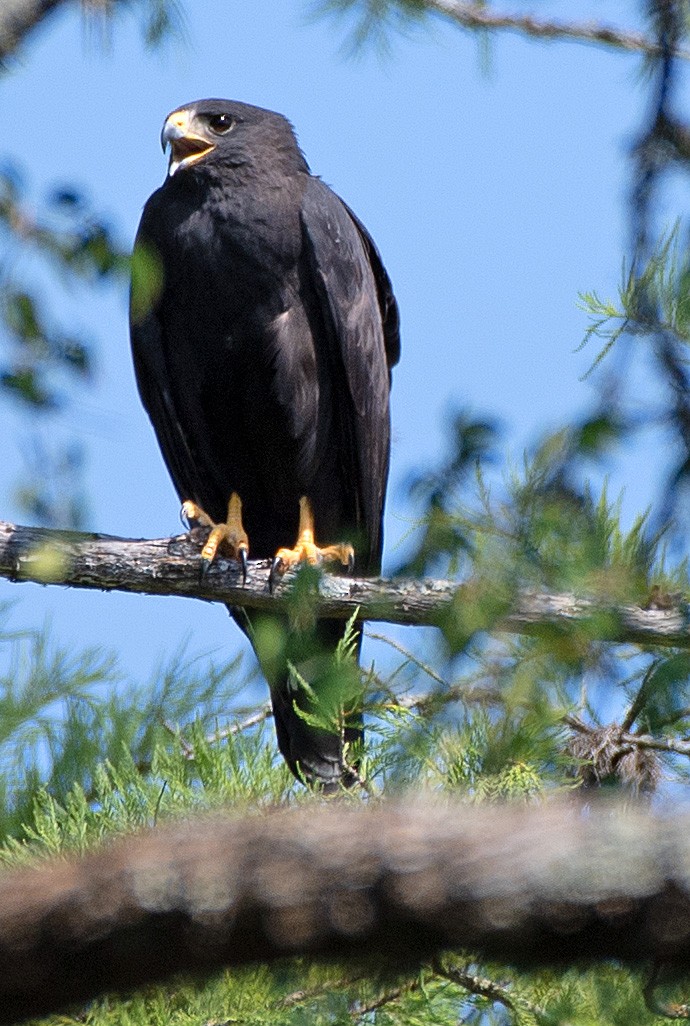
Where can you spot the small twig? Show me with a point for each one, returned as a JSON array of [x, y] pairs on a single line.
[[658, 744], [410, 657], [365, 1008], [297, 997], [187, 749], [232, 730], [639, 700], [486, 988], [430, 702], [260, 716]]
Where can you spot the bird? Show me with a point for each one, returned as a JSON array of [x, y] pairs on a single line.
[[264, 328]]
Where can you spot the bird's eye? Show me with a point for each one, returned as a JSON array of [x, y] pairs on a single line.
[[220, 123]]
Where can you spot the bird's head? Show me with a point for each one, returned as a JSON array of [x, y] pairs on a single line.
[[224, 130]]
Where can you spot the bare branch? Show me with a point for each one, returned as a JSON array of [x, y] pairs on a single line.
[[531, 886], [476, 16], [170, 566]]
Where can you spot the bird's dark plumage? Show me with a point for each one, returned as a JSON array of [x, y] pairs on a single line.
[[264, 329]]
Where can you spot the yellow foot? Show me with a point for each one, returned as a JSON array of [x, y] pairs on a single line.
[[307, 551], [230, 537]]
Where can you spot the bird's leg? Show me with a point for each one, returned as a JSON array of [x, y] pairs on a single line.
[[229, 537], [307, 551]]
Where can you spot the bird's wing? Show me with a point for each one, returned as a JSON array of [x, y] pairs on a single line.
[[360, 316], [388, 305], [153, 375]]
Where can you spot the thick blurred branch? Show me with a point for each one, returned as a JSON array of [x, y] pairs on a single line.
[[170, 566], [531, 886]]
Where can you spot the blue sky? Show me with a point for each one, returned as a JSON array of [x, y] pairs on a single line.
[[495, 196]]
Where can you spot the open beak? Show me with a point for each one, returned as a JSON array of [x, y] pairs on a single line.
[[185, 146]]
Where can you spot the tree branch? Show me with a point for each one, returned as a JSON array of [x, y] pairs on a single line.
[[624, 739], [476, 16], [18, 18], [170, 566], [489, 990], [362, 1010], [532, 886]]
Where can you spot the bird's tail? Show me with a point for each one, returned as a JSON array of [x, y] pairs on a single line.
[[321, 758], [316, 698]]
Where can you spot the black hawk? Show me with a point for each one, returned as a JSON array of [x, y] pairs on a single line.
[[264, 329]]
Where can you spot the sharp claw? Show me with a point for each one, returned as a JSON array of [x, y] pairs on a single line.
[[351, 563], [276, 567], [205, 566], [243, 564], [183, 519]]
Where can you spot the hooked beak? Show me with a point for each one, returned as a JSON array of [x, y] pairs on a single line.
[[186, 147]]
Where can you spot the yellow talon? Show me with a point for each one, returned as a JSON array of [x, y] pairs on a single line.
[[191, 511], [307, 551], [230, 536]]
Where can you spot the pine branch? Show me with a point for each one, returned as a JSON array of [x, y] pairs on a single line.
[[383, 885], [478, 16], [170, 566]]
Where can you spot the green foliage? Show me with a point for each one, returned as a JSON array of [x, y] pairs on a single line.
[[651, 297], [146, 281], [334, 690], [241, 771], [484, 716], [64, 714], [493, 732], [63, 248], [539, 528], [652, 311], [494, 705], [77, 247], [160, 20]]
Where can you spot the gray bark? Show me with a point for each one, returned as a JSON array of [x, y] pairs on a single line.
[[170, 566]]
